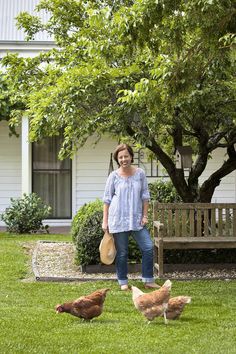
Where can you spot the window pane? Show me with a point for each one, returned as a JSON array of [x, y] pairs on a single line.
[[45, 155], [54, 187], [52, 177]]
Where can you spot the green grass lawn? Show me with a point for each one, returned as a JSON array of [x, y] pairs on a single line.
[[29, 324]]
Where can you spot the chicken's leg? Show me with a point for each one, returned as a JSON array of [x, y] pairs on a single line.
[[165, 319], [165, 306]]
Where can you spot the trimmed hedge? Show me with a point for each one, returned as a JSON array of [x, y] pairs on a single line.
[[87, 232]]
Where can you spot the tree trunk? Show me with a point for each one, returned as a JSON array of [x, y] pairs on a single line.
[[208, 187]]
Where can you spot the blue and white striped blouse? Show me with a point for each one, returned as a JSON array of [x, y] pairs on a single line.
[[125, 196]]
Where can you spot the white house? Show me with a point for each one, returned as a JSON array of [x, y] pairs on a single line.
[[65, 185]]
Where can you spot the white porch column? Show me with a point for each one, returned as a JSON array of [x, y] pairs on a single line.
[[26, 171], [74, 170]]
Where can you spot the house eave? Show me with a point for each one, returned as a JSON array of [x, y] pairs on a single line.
[[22, 46]]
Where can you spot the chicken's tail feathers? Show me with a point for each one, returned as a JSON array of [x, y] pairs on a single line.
[[135, 288], [167, 284], [136, 291], [187, 299], [182, 298], [105, 290]]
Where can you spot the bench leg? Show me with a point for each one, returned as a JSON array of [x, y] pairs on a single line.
[[155, 258], [160, 258]]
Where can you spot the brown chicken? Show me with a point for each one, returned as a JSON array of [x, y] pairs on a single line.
[[152, 304], [86, 307], [176, 306]]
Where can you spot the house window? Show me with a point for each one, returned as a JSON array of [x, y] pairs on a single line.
[[51, 178], [149, 164]]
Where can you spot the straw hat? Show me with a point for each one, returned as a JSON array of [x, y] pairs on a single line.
[[107, 249]]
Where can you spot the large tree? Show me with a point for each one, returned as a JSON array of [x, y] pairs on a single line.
[[159, 72]]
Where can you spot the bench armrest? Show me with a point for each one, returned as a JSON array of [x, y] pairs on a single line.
[[158, 227]]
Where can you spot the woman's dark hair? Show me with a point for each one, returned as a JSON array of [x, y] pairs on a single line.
[[120, 148]]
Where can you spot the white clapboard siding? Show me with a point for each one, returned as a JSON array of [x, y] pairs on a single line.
[[9, 9], [10, 167], [89, 176], [226, 191], [92, 163]]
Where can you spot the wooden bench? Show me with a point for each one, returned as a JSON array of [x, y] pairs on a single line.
[[192, 226]]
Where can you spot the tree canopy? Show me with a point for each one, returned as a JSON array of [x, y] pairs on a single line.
[[7, 104], [159, 72]]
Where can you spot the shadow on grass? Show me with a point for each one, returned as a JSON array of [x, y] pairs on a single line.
[[81, 321]]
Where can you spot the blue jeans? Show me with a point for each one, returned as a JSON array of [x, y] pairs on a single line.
[[143, 239]]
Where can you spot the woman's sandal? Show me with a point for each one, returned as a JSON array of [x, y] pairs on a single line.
[[124, 287], [151, 286]]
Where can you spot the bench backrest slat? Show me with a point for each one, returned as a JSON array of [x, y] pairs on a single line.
[[184, 222], [220, 221], [170, 223], [191, 223], [199, 223], [196, 219], [213, 222], [227, 221], [206, 223], [177, 223]]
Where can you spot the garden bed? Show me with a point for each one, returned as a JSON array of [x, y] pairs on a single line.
[[54, 261]]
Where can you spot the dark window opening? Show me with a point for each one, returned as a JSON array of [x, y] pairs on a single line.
[[52, 178], [149, 164]]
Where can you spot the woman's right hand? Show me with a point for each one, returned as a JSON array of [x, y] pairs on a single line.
[[105, 217], [105, 226]]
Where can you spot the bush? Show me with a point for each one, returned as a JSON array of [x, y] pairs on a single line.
[[87, 233], [25, 215], [163, 192]]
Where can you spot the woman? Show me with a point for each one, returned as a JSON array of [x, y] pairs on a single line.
[[125, 212]]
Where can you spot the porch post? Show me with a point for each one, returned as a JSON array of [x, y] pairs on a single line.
[[26, 168]]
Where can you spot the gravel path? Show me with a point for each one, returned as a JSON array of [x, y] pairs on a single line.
[[54, 261]]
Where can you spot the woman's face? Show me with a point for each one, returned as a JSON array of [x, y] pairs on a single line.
[[124, 158]]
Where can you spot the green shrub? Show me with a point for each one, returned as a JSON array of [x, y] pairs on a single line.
[[86, 232], [25, 214], [163, 192]]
